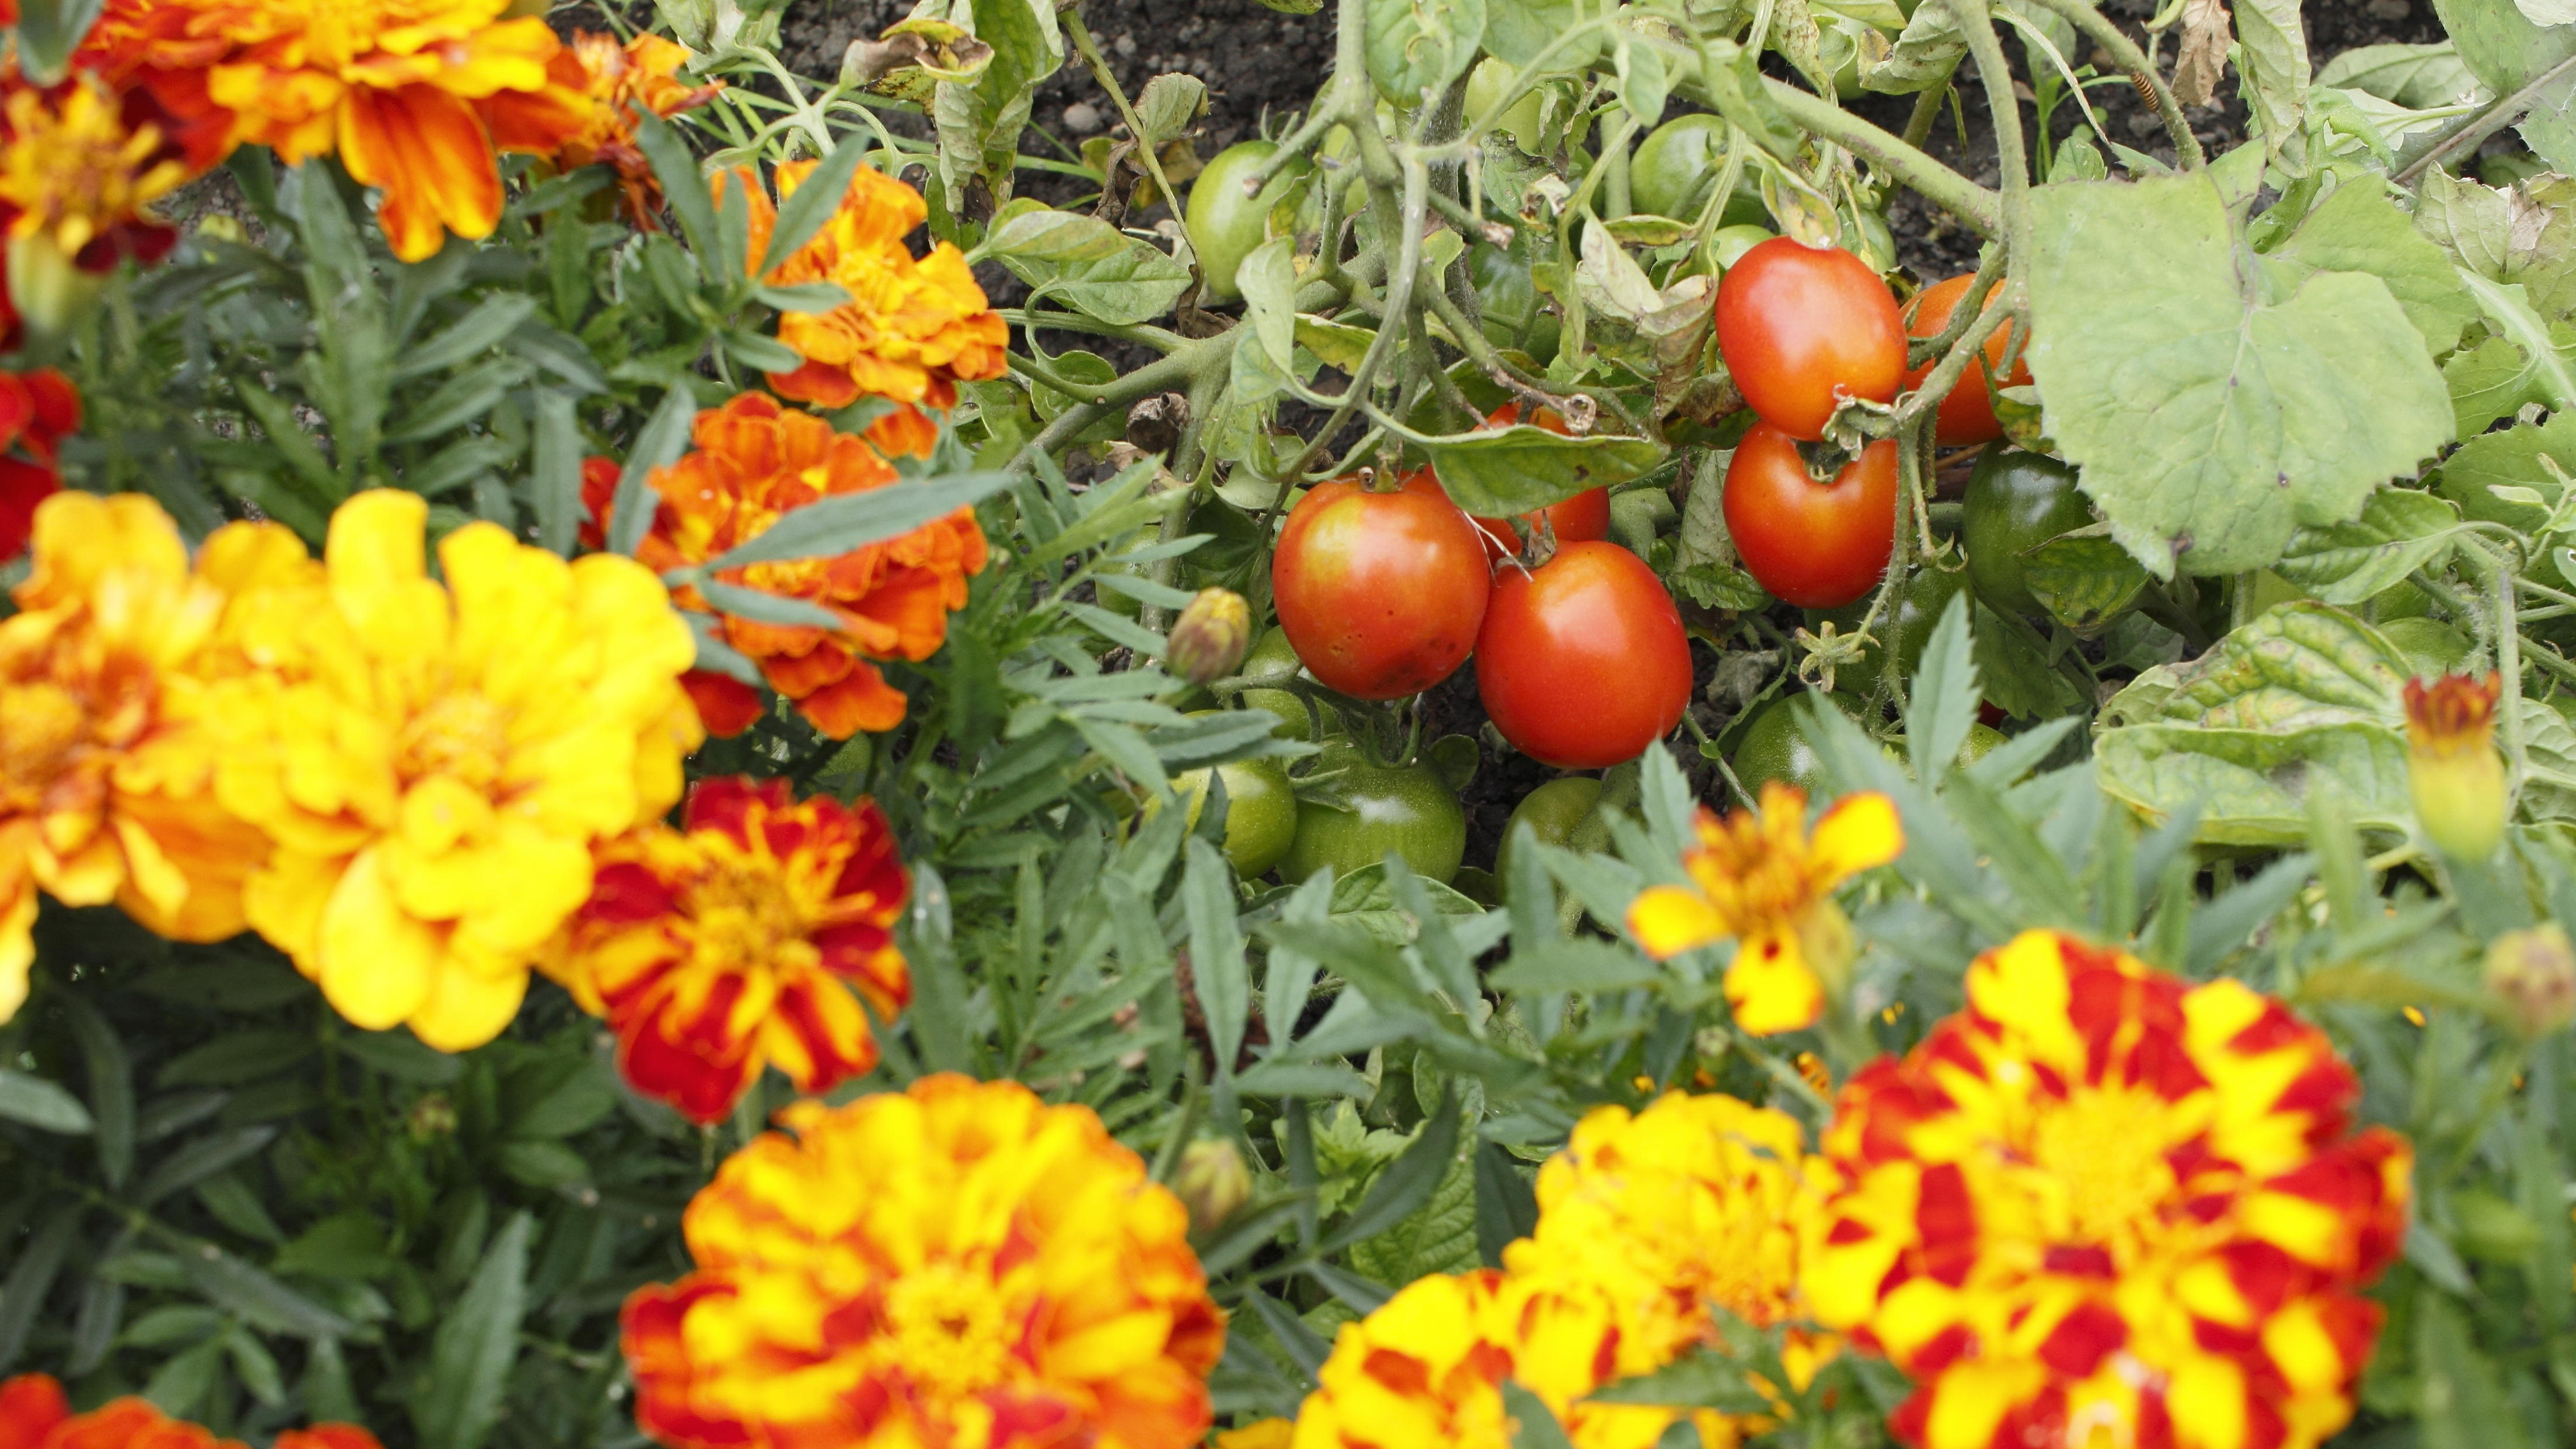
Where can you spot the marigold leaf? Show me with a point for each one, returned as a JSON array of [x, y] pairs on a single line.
[[844, 522], [41, 1104], [470, 1358]]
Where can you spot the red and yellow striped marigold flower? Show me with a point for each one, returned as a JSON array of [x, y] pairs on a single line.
[[2452, 767], [2104, 1206], [754, 462], [434, 762], [38, 409], [80, 166], [106, 768], [913, 328], [34, 1414], [617, 78], [955, 1264], [1759, 876], [414, 96], [736, 944]]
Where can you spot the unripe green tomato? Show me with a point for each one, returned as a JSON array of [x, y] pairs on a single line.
[[1917, 608], [1260, 812], [1773, 748], [1524, 122], [1730, 243], [1226, 225], [1868, 238], [1676, 166], [1410, 811], [1553, 812], [1272, 659], [2015, 501]]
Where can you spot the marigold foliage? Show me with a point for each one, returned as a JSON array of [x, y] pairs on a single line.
[[736, 944], [34, 1414], [1759, 876], [957, 1264], [755, 461], [913, 328], [106, 767], [434, 762], [2104, 1205]]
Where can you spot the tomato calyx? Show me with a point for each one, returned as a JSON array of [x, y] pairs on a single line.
[[1826, 459]]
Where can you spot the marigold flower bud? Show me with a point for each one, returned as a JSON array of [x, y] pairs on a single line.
[[51, 292], [1212, 1182], [1210, 637], [2532, 974], [2452, 766]]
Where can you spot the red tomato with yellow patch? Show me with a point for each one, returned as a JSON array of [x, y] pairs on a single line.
[[1380, 594], [1817, 545], [1802, 327], [1968, 414], [1583, 662]]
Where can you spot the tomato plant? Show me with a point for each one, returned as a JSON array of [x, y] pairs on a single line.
[[1582, 662], [1380, 594], [1225, 223], [1816, 544], [1583, 517], [1803, 328]]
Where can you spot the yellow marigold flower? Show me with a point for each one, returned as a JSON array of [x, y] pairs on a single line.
[[1262, 1434], [737, 944], [913, 327], [433, 763], [955, 1264], [105, 767], [1427, 1368], [413, 95], [2103, 1205], [2452, 766], [617, 78], [1760, 877]]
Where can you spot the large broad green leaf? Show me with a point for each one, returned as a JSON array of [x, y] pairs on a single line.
[[2399, 531], [2272, 63], [2525, 234], [2215, 399], [2298, 666], [1086, 264], [1417, 47], [1518, 30], [2358, 229], [2507, 52], [2419, 77], [2510, 459], [1500, 472]]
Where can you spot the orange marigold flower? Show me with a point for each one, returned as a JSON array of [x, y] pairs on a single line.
[[413, 95], [106, 768], [735, 944], [75, 171], [1759, 876], [38, 410], [913, 327], [616, 79], [955, 1264], [35, 1415], [1428, 1367], [2102, 1204], [754, 462], [2452, 767]]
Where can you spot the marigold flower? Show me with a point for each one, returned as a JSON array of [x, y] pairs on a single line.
[[735, 944], [1758, 875], [105, 767], [76, 173], [913, 327], [2104, 1205], [38, 410], [756, 461], [2452, 766], [413, 95], [1429, 1365], [35, 1415], [955, 1264], [434, 762], [1259, 1434], [616, 79]]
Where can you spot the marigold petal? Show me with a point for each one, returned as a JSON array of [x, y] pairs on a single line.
[[377, 964], [1771, 987], [1860, 832], [1668, 920]]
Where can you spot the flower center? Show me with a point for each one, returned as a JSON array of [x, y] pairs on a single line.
[[41, 726], [2107, 1146], [746, 915], [463, 735], [949, 1329]]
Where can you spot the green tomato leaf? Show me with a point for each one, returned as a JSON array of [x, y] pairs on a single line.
[[1417, 47], [2510, 459], [2252, 785], [2272, 61], [2216, 400], [2400, 530], [2418, 77], [1088, 265], [2358, 229], [2489, 381], [1440, 1237], [2084, 581], [1516, 31], [1502, 472], [2016, 678], [2524, 235], [2507, 52], [2298, 666]]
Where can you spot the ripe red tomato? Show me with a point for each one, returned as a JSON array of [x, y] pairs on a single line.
[[1801, 326], [1380, 593], [1586, 515], [1582, 662], [1968, 413], [1817, 545]]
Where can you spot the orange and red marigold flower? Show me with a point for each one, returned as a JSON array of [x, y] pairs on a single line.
[[2102, 1201], [2452, 768], [912, 329], [955, 1264], [617, 78], [737, 942], [38, 409], [34, 1414], [754, 462]]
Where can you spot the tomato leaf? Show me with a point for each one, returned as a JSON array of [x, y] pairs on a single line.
[[2358, 229], [2272, 61], [1417, 47], [1088, 265], [2510, 459], [2399, 531], [2215, 399], [1500, 472], [2507, 52]]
